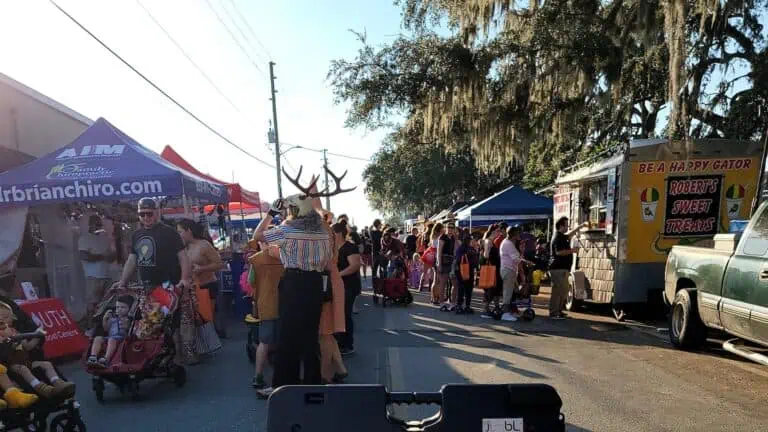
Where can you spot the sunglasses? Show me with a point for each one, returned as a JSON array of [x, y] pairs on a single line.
[[145, 214]]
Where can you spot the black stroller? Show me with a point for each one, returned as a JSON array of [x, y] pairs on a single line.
[[66, 409]]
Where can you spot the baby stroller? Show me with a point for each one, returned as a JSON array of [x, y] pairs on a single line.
[[393, 286], [523, 298], [35, 417], [148, 350]]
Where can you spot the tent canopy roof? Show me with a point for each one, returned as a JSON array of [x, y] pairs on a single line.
[[512, 201], [236, 192], [102, 164]]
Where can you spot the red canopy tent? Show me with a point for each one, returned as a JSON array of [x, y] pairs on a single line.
[[236, 193]]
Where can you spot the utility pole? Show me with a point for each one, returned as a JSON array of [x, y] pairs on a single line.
[[327, 185], [276, 136]]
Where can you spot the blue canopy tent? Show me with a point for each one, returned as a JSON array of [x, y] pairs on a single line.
[[102, 164], [512, 205]]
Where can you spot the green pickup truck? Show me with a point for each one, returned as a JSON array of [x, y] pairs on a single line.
[[724, 288]]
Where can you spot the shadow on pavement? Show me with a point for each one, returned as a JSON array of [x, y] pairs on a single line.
[[573, 428], [427, 322]]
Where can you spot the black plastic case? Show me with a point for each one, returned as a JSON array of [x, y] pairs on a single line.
[[463, 408]]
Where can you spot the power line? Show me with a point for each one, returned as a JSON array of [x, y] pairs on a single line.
[[242, 33], [349, 157], [290, 165], [321, 150], [178, 46], [253, 33], [156, 87], [223, 24]]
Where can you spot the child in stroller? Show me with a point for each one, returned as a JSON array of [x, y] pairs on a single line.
[[19, 361], [397, 268], [147, 350], [117, 324], [25, 409]]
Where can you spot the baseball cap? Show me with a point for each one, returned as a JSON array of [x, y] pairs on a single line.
[[147, 204]]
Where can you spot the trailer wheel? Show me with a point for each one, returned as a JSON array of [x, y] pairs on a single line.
[[686, 330]]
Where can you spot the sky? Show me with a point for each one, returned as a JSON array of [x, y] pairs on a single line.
[[44, 50]]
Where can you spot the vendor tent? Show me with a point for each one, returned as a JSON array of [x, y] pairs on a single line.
[[236, 192], [102, 164], [513, 204]]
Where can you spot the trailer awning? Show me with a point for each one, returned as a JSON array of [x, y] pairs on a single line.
[[593, 171]]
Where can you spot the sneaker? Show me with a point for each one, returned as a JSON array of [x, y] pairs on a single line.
[[339, 378], [347, 351], [102, 362], [459, 310], [258, 382], [64, 389], [508, 317], [93, 361], [557, 317], [468, 311], [265, 392], [486, 315]]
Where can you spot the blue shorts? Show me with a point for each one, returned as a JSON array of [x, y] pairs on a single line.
[[268, 332]]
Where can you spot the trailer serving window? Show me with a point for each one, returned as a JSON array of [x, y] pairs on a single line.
[[598, 192]]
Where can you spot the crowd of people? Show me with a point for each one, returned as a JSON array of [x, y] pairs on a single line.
[[447, 260], [306, 273]]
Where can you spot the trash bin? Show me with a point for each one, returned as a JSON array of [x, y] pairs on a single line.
[[224, 300]]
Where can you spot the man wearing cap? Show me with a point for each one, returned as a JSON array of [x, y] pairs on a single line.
[[157, 251]]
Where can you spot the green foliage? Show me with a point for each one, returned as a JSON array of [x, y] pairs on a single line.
[[412, 177], [546, 84]]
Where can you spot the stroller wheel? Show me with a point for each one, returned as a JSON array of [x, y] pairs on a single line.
[[39, 424], [98, 389], [528, 315], [66, 423], [132, 387], [179, 376]]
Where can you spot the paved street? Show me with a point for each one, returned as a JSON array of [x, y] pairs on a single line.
[[612, 377]]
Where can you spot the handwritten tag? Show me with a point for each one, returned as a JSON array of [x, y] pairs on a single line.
[[503, 425]]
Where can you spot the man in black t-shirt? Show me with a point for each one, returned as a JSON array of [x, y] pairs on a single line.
[[560, 267], [157, 252]]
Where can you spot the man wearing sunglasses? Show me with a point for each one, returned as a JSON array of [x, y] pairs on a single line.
[[157, 251]]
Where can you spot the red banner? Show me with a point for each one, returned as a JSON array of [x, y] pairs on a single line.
[[63, 337]]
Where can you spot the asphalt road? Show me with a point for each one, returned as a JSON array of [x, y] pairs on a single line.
[[612, 377]]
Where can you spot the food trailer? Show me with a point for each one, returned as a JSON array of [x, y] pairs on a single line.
[[652, 195]]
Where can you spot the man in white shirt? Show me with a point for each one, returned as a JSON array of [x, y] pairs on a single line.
[[95, 254], [510, 261]]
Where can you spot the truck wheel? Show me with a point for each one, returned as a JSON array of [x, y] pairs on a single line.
[[686, 330]]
